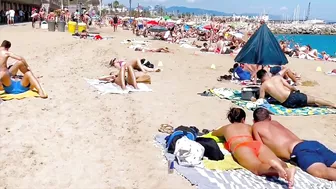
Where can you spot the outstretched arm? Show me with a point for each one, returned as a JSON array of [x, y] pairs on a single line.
[[286, 84], [262, 92], [218, 132]]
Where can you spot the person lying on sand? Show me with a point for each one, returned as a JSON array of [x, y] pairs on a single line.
[[15, 85], [284, 72], [159, 50], [141, 65], [251, 154], [121, 79], [311, 156], [278, 88]]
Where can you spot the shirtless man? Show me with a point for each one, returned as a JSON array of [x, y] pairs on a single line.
[[14, 85], [278, 88], [311, 156]]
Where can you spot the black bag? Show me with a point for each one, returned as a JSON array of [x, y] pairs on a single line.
[[146, 63], [179, 132], [212, 150]]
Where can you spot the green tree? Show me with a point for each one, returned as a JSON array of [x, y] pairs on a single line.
[[116, 5]]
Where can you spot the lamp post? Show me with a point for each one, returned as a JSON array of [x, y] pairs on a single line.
[[130, 8]]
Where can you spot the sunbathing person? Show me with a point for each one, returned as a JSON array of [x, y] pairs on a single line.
[[141, 65], [251, 154], [121, 79], [15, 85], [283, 71], [278, 88], [159, 50], [311, 156], [241, 73]]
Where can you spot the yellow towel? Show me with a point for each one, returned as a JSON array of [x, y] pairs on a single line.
[[217, 139], [223, 165], [27, 94]]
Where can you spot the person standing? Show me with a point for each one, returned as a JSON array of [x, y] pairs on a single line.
[[8, 16], [11, 16], [21, 14], [115, 23]]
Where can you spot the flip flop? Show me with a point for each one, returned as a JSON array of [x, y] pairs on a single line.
[[166, 128], [205, 93]]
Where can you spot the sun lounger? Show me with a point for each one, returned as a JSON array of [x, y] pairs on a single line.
[[225, 93], [238, 178], [107, 87]]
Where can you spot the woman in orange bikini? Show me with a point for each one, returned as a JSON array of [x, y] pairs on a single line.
[[249, 153]]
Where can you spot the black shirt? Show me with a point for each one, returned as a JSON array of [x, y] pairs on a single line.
[[115, 20]]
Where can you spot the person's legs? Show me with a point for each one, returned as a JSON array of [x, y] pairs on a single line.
[[120, 80], [19, 65], [288, 73], [30, 79], [5, 78], [131, 79], [319, 102], [320, 170], [267, 156]]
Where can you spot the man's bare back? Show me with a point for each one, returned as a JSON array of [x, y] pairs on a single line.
[[3, 59], [276, 88], [278, 138]]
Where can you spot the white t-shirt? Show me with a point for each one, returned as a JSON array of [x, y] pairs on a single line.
[[11, 13]]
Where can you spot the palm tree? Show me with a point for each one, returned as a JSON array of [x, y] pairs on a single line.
[[115, 5]]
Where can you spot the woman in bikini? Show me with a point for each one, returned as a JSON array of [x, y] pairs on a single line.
[[138, 64], [251, 154], [121, 79]]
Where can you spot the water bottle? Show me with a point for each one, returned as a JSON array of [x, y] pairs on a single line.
[[170, 166]]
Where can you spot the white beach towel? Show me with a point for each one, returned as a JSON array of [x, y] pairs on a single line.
[[107, 87], [187, 46]]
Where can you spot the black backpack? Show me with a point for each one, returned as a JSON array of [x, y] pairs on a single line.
[[212, 150], [179, 132]]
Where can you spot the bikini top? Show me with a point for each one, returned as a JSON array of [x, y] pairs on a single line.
[[227, 145]]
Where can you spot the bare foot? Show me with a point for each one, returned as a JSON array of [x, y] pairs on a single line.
[[290, 174], [158, 70], [43, 94], [278, 167]]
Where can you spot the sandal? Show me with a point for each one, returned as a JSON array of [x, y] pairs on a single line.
[[166, 128], [205, 93]]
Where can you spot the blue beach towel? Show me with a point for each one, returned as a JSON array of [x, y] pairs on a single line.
[[275, 109]]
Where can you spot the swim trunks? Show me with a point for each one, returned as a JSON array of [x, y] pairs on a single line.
[[242, 74], [309, 152], [275, 70], [15, 88], [296, 99]]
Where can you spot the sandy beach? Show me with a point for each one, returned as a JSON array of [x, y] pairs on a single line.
[[78, 138]]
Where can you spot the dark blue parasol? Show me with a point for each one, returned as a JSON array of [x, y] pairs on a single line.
[[262, 49]]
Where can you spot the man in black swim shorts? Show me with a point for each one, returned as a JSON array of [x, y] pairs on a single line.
[[278, 88]]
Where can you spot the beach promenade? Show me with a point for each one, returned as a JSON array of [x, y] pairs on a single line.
[[78, 138]]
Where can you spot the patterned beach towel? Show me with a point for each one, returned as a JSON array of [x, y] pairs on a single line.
[[240, 178], [276, 109]]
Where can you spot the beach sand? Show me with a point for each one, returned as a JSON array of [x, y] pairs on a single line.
[[78, 138]]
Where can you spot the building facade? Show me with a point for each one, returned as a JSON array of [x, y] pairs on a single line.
[[27, 5]]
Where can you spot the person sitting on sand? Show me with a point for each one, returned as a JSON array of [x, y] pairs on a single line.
[[141, 65], [278, 88], [311, 156], [241, 73], [251, 154], [15, 85], [121, 79]]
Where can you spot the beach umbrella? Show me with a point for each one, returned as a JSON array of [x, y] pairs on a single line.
[[166, 17], [262, 49], [152, 22], [157, 29]]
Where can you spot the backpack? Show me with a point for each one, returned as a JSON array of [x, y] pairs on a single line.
[[179, 132], [212, 151]]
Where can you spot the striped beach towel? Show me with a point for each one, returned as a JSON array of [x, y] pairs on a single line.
[[241, 178]]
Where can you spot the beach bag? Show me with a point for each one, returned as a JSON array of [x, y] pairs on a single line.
[[179, 132], [188, 153], [211, 148], [146, 63]]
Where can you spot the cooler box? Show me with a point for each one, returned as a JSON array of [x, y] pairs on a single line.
[[72, 27], [248, 92], [81, 27]]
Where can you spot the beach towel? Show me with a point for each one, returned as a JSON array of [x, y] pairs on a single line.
[[27, 94], [276, 109], [107, 87], [204, 178]]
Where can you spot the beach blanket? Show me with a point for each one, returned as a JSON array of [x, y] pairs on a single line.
[[275, 109], [107, 87], [93, 38], [240, 178], [27, 94], [134, 42]]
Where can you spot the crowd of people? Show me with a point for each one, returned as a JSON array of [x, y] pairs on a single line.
[[11, 16]]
